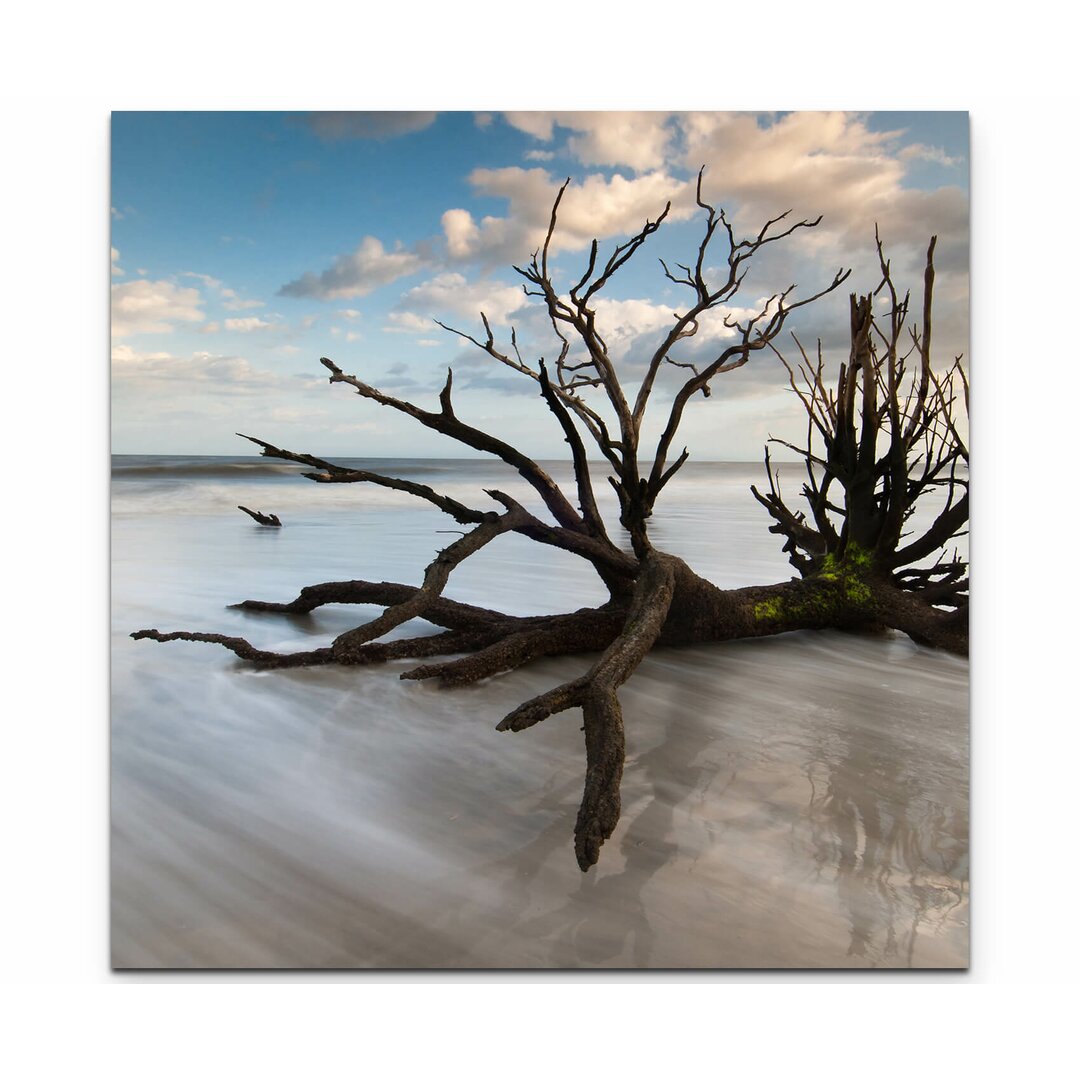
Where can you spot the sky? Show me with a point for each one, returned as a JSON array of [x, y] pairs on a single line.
[[245, 246]]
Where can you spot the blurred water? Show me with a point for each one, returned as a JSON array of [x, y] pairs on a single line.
[[794, 802]]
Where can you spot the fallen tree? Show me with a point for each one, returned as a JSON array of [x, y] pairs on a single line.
[[857, 569]]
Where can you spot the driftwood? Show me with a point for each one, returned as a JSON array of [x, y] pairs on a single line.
[[263, 519], [858, 571]]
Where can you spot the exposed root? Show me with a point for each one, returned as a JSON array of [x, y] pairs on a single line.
[[374, 652], [452, 641], [513, 647], [500, 644], [449, 613], [596, 694], [244, 649], [912, 615], [605, 751]]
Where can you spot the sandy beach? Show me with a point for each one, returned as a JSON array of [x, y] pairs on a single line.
[[790, 802]]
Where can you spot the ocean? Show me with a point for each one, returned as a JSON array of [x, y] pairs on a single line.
[[793, 802]]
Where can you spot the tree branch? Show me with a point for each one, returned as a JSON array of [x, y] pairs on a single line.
[[595, 693], [336, 474], [447, 424]]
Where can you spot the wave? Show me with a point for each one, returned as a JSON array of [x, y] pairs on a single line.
[[138, 466], [207, 468]]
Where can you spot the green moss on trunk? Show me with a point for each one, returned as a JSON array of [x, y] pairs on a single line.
[[840, 592]]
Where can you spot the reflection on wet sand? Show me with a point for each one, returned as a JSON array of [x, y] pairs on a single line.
[[606, 920], [392, 832], [899, 857]]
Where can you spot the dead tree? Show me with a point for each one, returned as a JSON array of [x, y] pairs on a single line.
[[653, 596], [885, 438]]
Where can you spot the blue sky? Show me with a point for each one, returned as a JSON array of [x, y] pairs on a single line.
[[247, 245]]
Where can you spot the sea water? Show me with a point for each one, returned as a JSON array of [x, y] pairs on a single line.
[[798, 801]]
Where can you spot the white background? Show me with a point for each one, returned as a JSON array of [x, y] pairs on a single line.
[[65, 67]]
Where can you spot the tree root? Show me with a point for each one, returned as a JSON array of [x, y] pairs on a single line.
[[520, 641], [670, 605], [595, 693], [440, 611], [244, 649]]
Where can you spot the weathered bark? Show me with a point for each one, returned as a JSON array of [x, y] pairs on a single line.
[[885, 437], [855, 574]]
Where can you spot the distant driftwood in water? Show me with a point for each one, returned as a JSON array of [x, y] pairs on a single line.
[[263, 519]]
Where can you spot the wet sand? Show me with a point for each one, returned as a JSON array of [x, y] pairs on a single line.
[[795, 802]]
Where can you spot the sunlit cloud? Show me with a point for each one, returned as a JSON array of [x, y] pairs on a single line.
[[153, 307], [597, 207], [638, 140]]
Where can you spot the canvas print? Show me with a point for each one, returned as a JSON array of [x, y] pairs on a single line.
[[539, 540]]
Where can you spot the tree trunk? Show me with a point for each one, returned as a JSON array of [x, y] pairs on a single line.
[[844, 599]]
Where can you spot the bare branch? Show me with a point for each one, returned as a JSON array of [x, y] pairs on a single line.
[[450, 426], [336, 474], [244, 649], [589, 510]]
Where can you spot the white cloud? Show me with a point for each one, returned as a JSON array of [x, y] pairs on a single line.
[[358, 274], [461, 232], [921, 152], [153, 307], [633, 328], [125, 354], [599, 207], [638, 140], [757, 165], [541, 125], [230, 299], [407, 322], [210, 370], [250, 324], [116, 270], [830, 164], [231, 302], [206, 279], [452, 294]]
